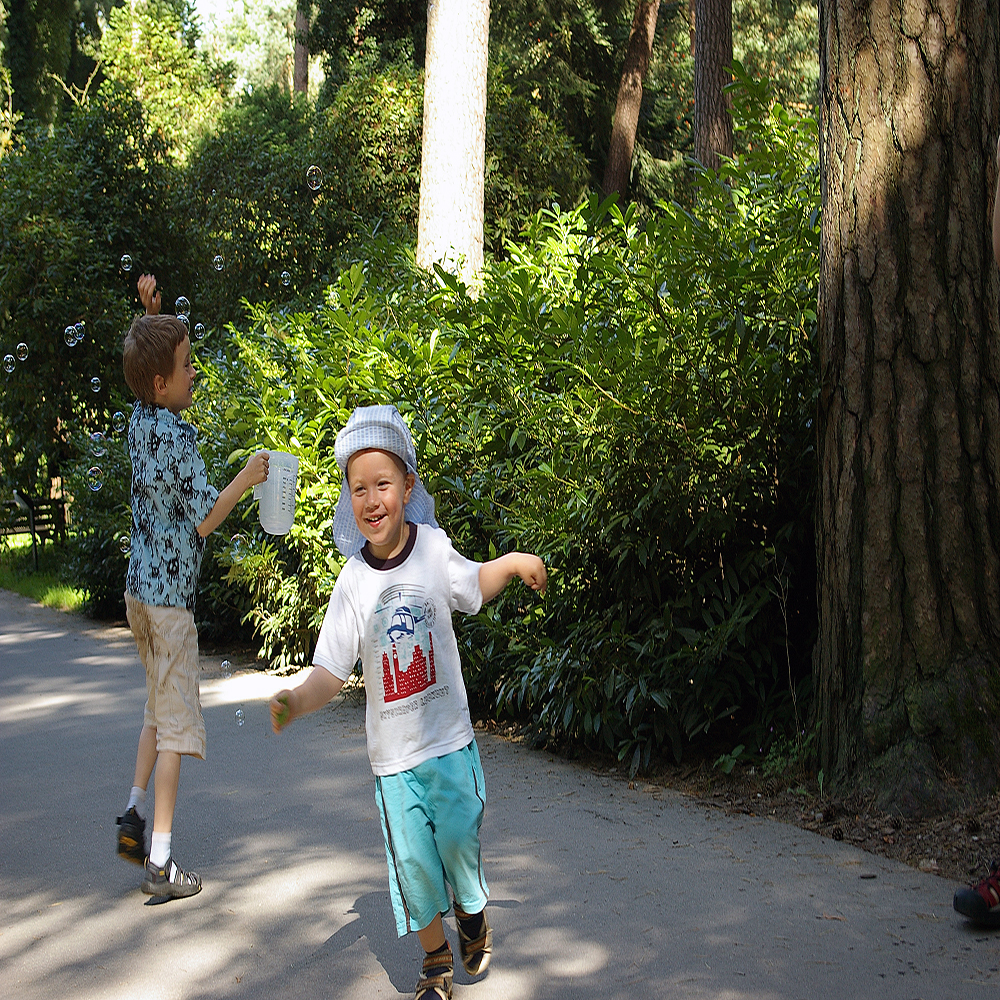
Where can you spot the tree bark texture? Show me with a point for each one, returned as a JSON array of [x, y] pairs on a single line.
[[640, 47], [907, 662], [713, 52], [453, 146], [301, 73]]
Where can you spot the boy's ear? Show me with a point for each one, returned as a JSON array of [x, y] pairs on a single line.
[[159, 385], [408, 483]]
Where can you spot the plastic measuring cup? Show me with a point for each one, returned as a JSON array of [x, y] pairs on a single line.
[[277, 493]]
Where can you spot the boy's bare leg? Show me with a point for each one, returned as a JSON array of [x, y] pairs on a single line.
[[145, 757], [168, 776], [431, 937]]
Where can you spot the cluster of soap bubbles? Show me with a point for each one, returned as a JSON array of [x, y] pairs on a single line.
[[9, 362], [98, 449], [74, 333], [227, 672]]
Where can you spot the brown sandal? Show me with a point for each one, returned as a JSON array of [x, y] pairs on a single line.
[[436, 976], [475, 951]]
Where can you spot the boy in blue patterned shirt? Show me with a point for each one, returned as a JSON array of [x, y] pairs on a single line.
[[174, 509]]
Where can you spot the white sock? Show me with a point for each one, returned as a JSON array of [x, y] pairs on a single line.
[[137, 798], [159, 849]]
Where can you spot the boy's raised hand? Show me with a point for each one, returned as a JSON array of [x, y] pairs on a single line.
[[148, 295]]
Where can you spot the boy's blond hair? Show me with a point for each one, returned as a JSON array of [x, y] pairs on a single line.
[[149, 350]]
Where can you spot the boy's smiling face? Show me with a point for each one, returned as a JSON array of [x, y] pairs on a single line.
[[380, 489]]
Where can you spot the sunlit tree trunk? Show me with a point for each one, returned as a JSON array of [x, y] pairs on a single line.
[[453, 155], [713, 52], [908, 513], [301, 75], [640, 48]]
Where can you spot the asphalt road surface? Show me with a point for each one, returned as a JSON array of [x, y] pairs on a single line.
[[598, 890]]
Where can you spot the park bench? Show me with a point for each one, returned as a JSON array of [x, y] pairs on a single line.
[[39, 518]]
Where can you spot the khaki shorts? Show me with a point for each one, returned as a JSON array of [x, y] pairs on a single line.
[[168, 647]]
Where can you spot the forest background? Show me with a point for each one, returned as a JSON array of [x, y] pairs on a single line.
[[631, 393]]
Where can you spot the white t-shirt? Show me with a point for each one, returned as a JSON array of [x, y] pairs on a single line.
[[397, 621]]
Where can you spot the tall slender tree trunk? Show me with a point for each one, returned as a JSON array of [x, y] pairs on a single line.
[[640, 48], [713, 52], [300, 80], [906, 667], [453, 146]]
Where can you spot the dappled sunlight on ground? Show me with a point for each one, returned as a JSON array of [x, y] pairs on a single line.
[[600, 888]]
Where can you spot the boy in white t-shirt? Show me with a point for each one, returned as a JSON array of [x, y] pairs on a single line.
[[391, 608]]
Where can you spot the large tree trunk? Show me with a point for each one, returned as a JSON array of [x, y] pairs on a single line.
[[713, 52], [908, 513], [640, 48], [453, 147], [301, 75]]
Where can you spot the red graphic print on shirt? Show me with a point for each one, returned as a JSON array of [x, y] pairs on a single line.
[[403, 621]]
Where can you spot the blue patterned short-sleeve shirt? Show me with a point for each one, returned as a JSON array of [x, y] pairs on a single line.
[[171, 496]]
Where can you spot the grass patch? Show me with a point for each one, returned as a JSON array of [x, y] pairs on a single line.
[[46, 585]]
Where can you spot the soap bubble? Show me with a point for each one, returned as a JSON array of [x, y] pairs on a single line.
[[8, 363], [22, 352], [95, 477], [240, 717], [183, 318], [237, 547], [286, 278], [95, 384], [125, 543], [218, 262], [79, 330], [182, 304], [69, 336], [199, 331], [227, 669], [314, 178], [98, 444], [118, 421], [126, 262]]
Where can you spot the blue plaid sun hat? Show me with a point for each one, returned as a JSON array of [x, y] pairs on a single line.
[[379, 427]]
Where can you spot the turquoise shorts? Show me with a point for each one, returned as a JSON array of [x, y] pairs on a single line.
[[431, 817]]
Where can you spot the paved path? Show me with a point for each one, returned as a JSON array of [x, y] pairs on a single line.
[[598, 891]]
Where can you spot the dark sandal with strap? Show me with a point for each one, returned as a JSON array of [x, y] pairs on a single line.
[[475, 951], [436, 977]]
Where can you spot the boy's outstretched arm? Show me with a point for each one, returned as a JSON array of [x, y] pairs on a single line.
[[314, 692], [254, 472], [497, 573]]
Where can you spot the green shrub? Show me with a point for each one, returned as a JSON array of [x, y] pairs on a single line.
[[632, 401]]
